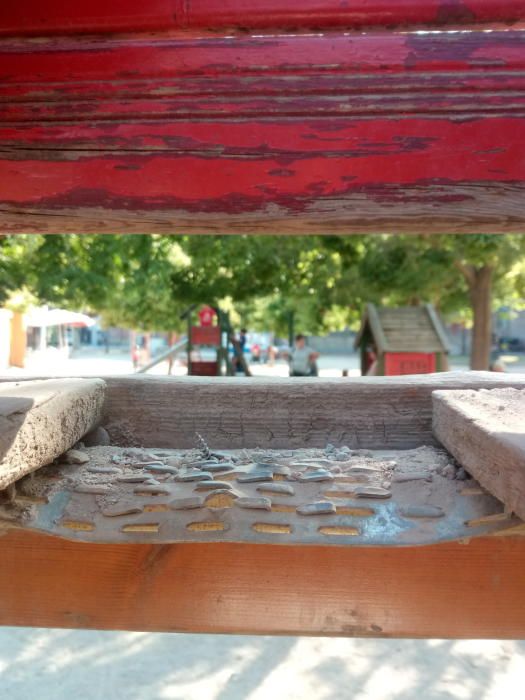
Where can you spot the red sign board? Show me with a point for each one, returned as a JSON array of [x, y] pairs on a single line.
[[205, 335], [409, 362], [207, 316]]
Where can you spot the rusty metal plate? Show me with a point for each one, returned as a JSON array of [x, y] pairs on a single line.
[[302, 497]]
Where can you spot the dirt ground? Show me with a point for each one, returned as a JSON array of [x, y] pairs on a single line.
[[62, 665]]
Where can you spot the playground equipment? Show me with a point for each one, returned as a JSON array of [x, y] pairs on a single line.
[[207, 117], [212, 336], [408, 340], [166, 355], [206, 335]]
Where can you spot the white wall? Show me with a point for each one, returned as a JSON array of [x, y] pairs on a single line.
[[5, 337]]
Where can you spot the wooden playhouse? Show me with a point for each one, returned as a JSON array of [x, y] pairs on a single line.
[[403, 340]]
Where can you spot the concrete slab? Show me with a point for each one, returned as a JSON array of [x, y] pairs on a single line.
[[39, 420], [485, 431]]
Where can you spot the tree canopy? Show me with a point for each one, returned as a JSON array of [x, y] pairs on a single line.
[[146, 281]]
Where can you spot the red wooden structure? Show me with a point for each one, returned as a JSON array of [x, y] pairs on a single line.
[[207, 334], [403, 340], [33, 17], [261, 116], [245, 117], [409, 363]]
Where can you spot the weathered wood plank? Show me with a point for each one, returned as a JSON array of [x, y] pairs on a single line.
[[371, 412], [34, 17], [485, 431], [39, 420], [478, 56], [377, 132], [447, 590], [495, 210]]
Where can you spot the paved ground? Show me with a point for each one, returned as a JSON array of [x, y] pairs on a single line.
[[64, 665], [94, 361]]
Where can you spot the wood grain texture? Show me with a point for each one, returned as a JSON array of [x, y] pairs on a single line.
[[351, 133], [53, 16], [485, 431], [449, 590], [39, 420], [373, 413]]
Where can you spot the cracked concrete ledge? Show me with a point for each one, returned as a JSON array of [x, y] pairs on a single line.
[[39, 420]]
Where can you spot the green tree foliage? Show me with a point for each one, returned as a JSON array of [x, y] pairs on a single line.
[[466, 274], [14, 254], [127, 279], [404, 269], [146, 281]]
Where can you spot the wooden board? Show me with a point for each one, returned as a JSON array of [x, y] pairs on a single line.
[[53, 16], [485, 431], [449, 590], [39, 420], [282, 133], [231, 413]]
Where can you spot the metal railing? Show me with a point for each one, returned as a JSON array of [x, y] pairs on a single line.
[[172, 350]]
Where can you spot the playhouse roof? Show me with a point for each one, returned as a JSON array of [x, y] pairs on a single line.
[[404, 329]]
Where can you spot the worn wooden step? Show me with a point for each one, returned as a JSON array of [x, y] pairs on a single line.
[[384, 498], [485, 431], [39, 420]]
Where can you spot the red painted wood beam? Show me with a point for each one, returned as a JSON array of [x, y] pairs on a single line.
[[380, 54], [380, 132], [41, 17]]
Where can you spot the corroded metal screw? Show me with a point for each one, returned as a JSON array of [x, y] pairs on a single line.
[[205, 450]]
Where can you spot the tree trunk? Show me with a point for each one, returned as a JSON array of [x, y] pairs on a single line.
[[480, 286]]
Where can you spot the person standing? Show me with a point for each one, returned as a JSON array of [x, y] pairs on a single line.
[[135, 357], [303, 359], [239, 345]]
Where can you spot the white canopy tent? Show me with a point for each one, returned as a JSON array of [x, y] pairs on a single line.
[[43, 318]]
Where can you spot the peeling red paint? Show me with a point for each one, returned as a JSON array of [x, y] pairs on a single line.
[[223, 157], [55, 16], [94, 59], [361, 130]]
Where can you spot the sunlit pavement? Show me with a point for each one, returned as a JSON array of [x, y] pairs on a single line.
[[95, 362], [62, 664], [89, 362]]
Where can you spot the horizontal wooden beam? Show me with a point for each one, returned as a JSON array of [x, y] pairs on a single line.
[[371, 412], [453, 590], [338, 133], [54, 16], [236, 412]]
